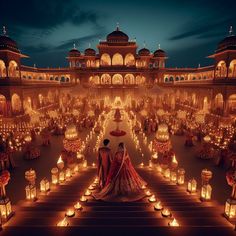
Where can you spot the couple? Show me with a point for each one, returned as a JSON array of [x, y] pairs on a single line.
[[118, 180]]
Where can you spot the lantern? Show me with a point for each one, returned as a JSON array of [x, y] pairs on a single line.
[[54, 172], [150, 164], [30, 189], [5, 204], [5, 209], [230, 205], [173, 176], [68, 173], [180, 176], [167, 173], [85, 164], [31, 192], [192, 186], [206, 192], [60, 163], [206, 189], [159, 169], [44, 185], [76, 168], [61, 176]]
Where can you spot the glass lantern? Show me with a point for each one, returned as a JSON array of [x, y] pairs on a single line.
[[192, 186], [44, 185], [173, 176], [54, 172], [180, 176], [31, 192], [5, 209], [61, 176], [230, 208], [206, 192], [167, 173]]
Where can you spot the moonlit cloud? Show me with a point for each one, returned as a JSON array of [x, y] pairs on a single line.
[[47, 29]]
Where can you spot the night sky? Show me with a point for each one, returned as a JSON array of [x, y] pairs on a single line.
[[187, 30]]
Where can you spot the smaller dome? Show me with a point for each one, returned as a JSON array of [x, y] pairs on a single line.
[[144, 52], [8, 43], [227, 43], [89, 52], [74, 53], [159, 53]]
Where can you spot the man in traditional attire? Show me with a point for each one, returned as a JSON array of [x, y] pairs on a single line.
[[104, 162]]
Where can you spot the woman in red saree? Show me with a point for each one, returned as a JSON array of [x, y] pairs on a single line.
[[123, 183]]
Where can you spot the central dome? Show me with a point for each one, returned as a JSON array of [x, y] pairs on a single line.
[[117, 36]]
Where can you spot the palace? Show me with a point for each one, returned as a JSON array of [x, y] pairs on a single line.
[[118, 64]]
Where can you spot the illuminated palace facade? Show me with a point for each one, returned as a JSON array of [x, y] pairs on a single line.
[[118, 64]]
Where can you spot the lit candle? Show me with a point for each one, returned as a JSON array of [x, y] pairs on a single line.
[[78, 206], [152, 198], [87, 193], [148, 193], [158, 206], [174, 223], [165, 212], [83, 199], [63, 223], [70, 213]]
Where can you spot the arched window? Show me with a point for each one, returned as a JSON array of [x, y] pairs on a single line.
[[117, 79], [221, 70], [13, 70], [2, 69], [105, 79], [177, 78], [63, 79], [171, 79], [140, 79], [16, 103], [3, 105], [232, 68], [129, 79], [232, 103], [166, 80], [129, 60], [105, 60], [117, 60]]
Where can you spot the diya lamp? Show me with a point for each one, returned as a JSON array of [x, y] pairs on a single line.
[[173, 223], [78, 206], [165, 212], [70, 213], [158, 206], [152, 199]]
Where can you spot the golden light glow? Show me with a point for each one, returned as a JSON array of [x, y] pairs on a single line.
[[174, 223], [63, 223], [158, 206]]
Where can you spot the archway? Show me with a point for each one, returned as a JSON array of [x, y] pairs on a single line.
[[16, 103], [105, 79], [140, 79], [221, 70], [232, 104], [105, 60], [219, 103], [27, 104], [13, 70], [3, 105], [117, 79], [129, 60], [205, 105], [2, 69], [129, 79], [117, 60], [232, 68]]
